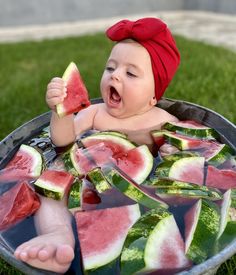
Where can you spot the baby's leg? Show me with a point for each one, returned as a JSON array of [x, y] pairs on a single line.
[[53, 249]]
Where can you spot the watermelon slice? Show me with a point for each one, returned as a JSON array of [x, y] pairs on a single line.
[[158, 137], [182, 193], [227, 221], [73, 202], [202, 222], [191, 128], [77, 95], [17, 203], [54, 184], [78, 161], [27, 163], [149, 246], [136, 162], [102, 233], [98, 179], [142, 194], [189, 169], [89, 197], [222, 179]]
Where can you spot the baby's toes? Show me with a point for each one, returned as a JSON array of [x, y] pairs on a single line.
[[64, 254], [21, 253], [34, 250], [46, 252]]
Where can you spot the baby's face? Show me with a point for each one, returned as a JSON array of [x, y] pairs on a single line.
[[127, 84]]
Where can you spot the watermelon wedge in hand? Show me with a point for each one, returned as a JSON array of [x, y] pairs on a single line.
[[77, 95]]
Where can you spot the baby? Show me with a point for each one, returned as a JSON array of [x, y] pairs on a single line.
[[138, 70]]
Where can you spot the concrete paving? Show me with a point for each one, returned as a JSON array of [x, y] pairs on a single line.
[[212, 28]]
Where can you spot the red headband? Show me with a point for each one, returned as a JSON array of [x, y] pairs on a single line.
[[153, 35]]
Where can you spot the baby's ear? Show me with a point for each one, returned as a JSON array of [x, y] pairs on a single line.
[[153, 101]]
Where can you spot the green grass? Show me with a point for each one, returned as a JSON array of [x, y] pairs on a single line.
[[206, 77]]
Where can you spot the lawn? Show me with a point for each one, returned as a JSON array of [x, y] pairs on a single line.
[[206, 76]]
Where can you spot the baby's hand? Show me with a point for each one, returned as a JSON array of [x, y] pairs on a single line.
[[56, 92]]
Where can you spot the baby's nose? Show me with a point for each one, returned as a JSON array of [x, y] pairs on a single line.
[[116, 75]]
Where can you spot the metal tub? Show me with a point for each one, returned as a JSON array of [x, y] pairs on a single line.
[[183, 110]]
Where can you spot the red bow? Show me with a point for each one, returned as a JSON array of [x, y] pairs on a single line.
[[153, 35], [140, 30]]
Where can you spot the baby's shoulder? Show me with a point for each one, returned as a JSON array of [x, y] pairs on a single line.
[[162, 115]]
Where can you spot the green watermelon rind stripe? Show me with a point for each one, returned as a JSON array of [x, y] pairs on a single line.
[[74, 196], [180, 143], [37, 162], [115, 179], [48, 190], [207, 133], [70, 161], [221, 155], [190, 193], [205, 233], [98, 179], [132, 257]]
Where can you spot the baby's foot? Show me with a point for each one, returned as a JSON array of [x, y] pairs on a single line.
[[52, 251]]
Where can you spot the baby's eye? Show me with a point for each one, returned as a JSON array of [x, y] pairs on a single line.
[[131, 74], [109, 69]]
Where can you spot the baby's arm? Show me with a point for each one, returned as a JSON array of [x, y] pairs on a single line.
[[62, 129]]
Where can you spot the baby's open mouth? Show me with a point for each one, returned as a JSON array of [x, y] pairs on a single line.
[[114, 95]]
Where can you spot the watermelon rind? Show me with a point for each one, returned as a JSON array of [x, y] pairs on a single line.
[[98, 179], [37, 161], [159, 236], [132, 256], [100, 137], [131, 189], [181, 142], [109, 254], [227, 221], [73, 202], [48, 190], [113, 133], [181, 154], [143, 245], [221, 155], [71, 164], [190, 193], [200, 242], [200, 131], [186, 189], [53, 184], [182, 165]]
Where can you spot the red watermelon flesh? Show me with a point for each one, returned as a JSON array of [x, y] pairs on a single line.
[[26, 164], [54, 184], [89, 196], [77, 95], [191, 124], [102, 233], [169, 247], [136, 162], [222, 179], [17, 203]]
